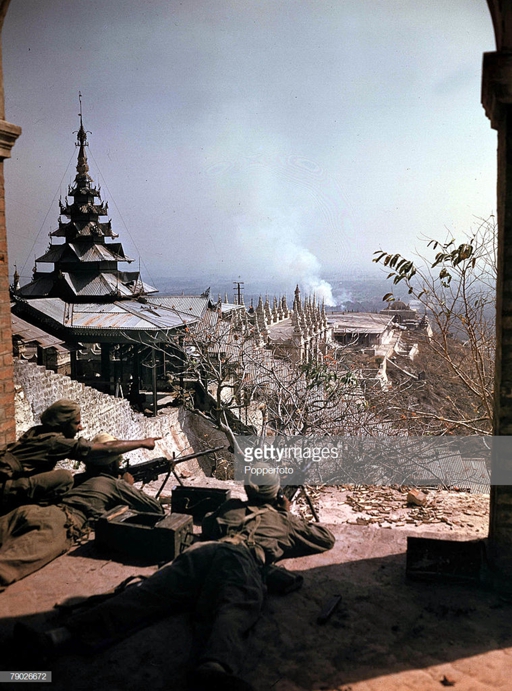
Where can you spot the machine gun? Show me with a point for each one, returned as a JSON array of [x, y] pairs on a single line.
[[151, 470]]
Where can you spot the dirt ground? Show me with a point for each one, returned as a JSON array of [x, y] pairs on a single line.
[[388, 633]]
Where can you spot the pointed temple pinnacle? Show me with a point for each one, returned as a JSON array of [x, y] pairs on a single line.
[[81, 167]]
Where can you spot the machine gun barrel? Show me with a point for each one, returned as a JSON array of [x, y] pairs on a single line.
[[150, 470]]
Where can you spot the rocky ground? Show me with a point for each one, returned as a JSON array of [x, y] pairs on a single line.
[[386, 507], [453, 512]]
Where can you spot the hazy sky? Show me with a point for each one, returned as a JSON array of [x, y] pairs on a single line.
[[248, 137]]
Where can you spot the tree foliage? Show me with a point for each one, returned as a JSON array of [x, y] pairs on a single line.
[[455, 283], [270, 393]]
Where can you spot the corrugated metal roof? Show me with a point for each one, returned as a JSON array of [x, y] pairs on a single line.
[[116, 317], [227, 307], [53, 255], [107, 284], [452, 469], [359, 322], [29, 333], [87, 252], [99, 252], [100, 285], [38, 287], [117, 248], [423, 461], [53, 308], [147, 289], [194, 305], [92, 228]]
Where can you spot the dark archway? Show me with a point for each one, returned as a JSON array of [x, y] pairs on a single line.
[[497, 101]]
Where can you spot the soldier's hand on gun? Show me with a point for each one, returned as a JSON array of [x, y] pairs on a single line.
[[283, 502], [128, 477]]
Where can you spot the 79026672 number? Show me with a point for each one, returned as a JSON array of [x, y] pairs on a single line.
[[25, 676]]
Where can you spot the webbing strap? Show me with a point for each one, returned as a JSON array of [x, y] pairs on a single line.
[[238, 534], [9, 465]]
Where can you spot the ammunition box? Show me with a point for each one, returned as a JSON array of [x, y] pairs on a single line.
[[198, 501], [145, 536], [431, 559]]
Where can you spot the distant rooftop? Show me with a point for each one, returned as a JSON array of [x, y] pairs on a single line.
[[358, 322]]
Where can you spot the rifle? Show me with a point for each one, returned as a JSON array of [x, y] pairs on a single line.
[[151, 470], [290, 492]]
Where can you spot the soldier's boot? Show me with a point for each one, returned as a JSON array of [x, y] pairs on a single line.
[[42, 645]]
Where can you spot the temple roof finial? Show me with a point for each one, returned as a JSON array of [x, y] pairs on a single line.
[[80, 113], [81, 167]]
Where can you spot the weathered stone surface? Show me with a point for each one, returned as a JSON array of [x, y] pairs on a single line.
[[37, 388]]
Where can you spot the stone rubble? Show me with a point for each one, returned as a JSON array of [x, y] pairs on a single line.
[[388, 507]]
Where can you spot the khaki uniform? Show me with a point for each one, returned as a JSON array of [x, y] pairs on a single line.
[[221, 582], [27, 474], [32, 536]]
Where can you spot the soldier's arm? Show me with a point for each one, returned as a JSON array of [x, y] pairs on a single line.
[[308, 538], [138, 500], [119, 446]]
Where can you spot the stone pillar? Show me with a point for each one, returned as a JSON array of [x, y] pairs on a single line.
[[154, 380], [73, 364], [105, 368], [497, 101], [8, 135]]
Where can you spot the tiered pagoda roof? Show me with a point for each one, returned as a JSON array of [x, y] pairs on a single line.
[[85, 266]]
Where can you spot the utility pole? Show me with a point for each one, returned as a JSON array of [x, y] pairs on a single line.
[[238, 286]]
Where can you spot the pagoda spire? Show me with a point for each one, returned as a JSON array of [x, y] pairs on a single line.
[[82, 166], [86, 264]]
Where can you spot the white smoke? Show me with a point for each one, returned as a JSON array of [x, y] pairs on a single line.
[[280, 201], [302, 267], [323, 291], [342, 298]]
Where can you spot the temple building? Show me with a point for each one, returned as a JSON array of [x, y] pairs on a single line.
[[299, 334], [85, 266], [403, 313], [85, 298]]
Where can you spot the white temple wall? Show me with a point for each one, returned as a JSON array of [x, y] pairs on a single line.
[[36, 388]]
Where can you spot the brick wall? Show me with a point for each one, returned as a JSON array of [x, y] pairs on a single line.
[[7, 428], [8, 134], [36, 388]]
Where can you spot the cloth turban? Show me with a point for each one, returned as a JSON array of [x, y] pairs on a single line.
[[262, 486], [60, 413], [108, 459]]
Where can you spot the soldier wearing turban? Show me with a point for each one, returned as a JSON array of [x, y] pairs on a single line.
[[31, 536], [27, 467], [221, 580]]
